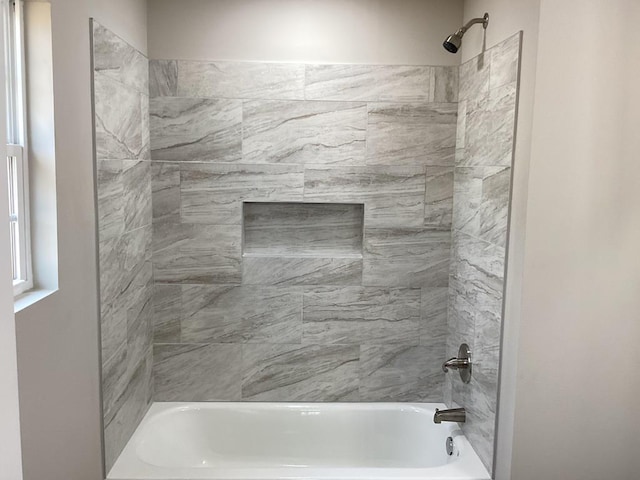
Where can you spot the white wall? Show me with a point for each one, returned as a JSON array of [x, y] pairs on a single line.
[[324, 31], [10, 458], [506, 18], [128, 18], [58, 336], [578, 388]]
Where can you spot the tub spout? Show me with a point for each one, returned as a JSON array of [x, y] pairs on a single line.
[[451, 415]]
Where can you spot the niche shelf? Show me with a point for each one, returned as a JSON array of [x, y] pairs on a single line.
[[286, 229]]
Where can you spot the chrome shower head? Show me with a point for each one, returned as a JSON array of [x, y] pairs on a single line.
[[454, 41]]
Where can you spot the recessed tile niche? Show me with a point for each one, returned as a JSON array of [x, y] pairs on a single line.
[[288, 229]]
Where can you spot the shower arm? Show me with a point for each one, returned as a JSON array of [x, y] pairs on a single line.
[[484, 20]]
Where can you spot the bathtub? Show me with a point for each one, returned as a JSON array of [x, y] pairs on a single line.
[[268, 441]]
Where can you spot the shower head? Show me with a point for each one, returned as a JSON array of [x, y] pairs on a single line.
[[453, 41]]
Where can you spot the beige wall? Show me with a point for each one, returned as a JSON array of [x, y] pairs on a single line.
[[126, 17], [324, 31], [581, 284], [58, 336]]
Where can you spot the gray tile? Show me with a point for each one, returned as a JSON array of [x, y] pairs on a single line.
[[301, 270], [118, 60], [145, 152], [165, 184], [135, 402], [241, 314], [494, 208], [213, 193], [167, 306], [323, 229], [163, 78], [356, 315], [461, 127], [467, 198], [433, 319], [118, 119], [490, 126], [393, 196], [481, 202], [113, 327], [504, 62], [110, 193], [186, 253], [477, 273], [305, 373], [438, 201], [184, 372], [411, 134], [398, 373], [409, 257], [241, 80], [139, 296], [304, 132], [474, 78], [445, 84], [136, 193], [374, 83], [195, 129]]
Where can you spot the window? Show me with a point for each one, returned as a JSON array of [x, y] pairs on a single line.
[[16, 148]]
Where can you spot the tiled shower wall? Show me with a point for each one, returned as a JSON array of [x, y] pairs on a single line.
[[482, 184], [120, 81], [362, 318]]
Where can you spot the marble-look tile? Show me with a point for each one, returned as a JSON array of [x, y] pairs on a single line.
[[494, 207], [490, 128], [167, 307], [114, 381], [145, 152], [136, 193], [411, 134], [213, 193], [304, 132], [139, 296], [241, 314], [504, 62], [278, 81], [303, 373], [191, 253], [445, 84], [474, 78], [197, 372], [399, 373], [409, 257], [303, 228], [481, 202], [118, 119], [301, 270], [135, 402], [118, 60], [195, 129], [467, 197], [163, 78], [393, 196], [357, 315], [110, 193], [480, 425], [113, 327], [165, 185], [461, 127], [119, 260], [438, 200], [477, 273], [373, 83], [433, 318]]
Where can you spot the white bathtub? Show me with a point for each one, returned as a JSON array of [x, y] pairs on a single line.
[[268, 441]]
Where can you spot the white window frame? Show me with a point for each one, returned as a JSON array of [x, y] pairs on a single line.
[[12, 12]]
